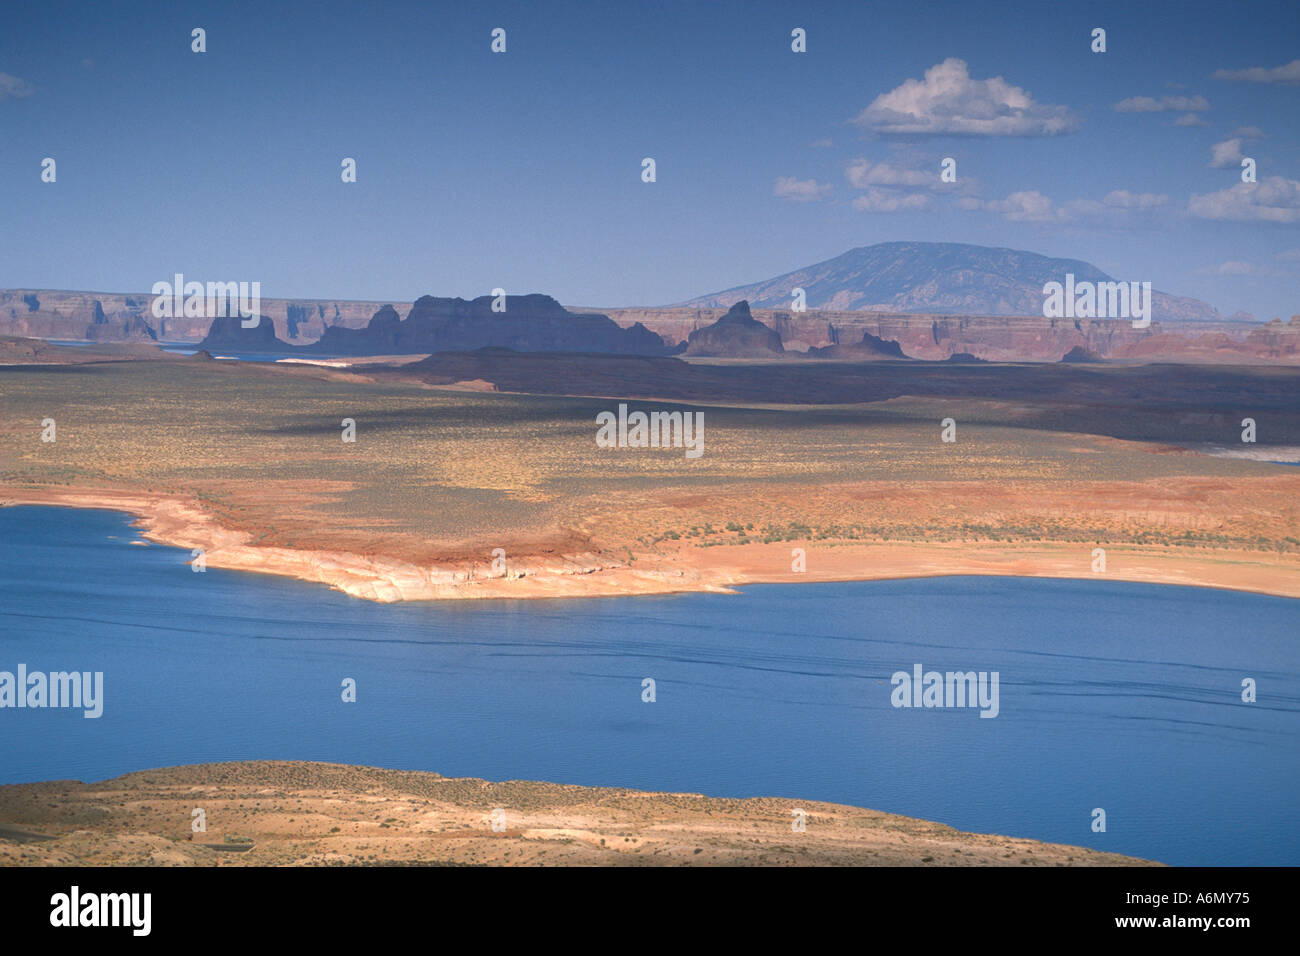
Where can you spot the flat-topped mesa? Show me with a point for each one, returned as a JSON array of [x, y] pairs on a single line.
[[524, 323], [736, 335], [228, 333]]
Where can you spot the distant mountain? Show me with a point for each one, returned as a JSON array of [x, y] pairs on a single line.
[[943, 278], [736, 335]]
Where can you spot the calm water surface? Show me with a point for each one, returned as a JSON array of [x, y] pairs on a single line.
[[1113, 695]]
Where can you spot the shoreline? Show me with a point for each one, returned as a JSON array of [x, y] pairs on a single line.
[[171, 521]]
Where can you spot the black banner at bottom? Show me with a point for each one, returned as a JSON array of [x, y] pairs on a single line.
[[331, 905]]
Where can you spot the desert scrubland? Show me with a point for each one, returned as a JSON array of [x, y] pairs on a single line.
[[276, 813], [246, 461]]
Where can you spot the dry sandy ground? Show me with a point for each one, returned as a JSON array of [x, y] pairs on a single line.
[[245, 462], [674, 567], [313, 814]]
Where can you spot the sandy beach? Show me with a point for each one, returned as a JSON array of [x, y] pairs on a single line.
[[385, 578]]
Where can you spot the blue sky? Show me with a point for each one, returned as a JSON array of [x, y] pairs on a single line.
[[523, 170]]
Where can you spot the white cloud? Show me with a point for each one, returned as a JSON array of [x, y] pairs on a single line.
[[1273, 199], [1034, 206], [822, 143], [1149, 104], [1249, 132], [1026, 206], [1123, 199], [1226, 154], [862, 173], [1190, 119], [948, 100], [1288, 75], [799, 190], [876, 199], [12, 87], [1236, 268]]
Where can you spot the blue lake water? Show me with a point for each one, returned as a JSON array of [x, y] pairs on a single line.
[[1121, 696]]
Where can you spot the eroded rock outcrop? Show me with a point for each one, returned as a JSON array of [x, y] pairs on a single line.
[[736, 335], [529, 323], [871, 347], [229, 334]]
